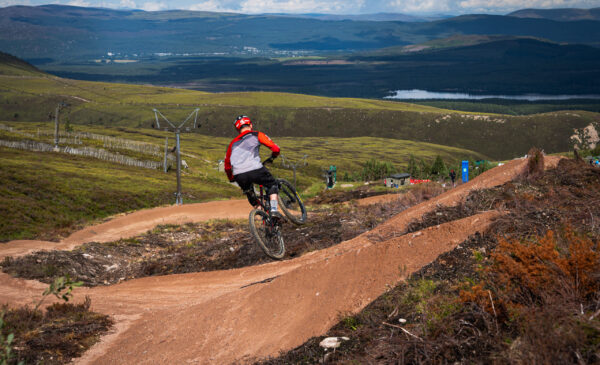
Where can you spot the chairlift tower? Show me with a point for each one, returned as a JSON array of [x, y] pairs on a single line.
[[181, 128], [286, 163], [60, 105]]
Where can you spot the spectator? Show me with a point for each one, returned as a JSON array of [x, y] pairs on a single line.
[[452, 177]]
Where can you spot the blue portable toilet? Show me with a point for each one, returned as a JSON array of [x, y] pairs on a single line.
[[465, 171]]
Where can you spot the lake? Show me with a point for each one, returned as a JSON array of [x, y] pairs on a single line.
[[416, 94]]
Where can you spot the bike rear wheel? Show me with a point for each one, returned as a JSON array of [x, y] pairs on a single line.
[[267, 234], [290, 202]]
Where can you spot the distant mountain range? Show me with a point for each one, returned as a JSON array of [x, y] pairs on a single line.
[[64, 33], [377, 17], [563, 15]]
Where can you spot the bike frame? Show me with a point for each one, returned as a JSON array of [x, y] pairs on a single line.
[[263, 201]]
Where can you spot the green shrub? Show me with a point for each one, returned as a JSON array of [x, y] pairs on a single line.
[[375, 170]]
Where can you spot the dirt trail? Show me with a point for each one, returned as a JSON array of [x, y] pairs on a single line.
[[235, 315], [133, 224]]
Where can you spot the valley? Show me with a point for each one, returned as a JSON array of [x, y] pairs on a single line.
[[462, 227]]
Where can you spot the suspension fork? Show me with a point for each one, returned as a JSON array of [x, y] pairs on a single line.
[[264, 200]]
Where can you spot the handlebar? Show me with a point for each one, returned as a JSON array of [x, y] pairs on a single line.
[[269, 160]]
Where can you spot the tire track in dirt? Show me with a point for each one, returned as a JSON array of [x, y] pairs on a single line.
[[209, 318]]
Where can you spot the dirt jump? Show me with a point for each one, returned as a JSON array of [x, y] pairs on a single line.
[[237, 316]]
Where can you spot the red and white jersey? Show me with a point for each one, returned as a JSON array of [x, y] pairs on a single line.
[[242, 153]]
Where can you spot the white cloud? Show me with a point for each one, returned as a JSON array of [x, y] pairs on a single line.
[[127, 4], [5, 3], [210, 5], [153, 6], [301, 6], [79, 3], [325, 6], [481, 6], [420, 6]]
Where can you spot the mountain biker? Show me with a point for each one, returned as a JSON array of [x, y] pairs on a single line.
[[243, 165]]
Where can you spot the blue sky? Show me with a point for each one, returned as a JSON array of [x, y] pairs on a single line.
[[326, 6]]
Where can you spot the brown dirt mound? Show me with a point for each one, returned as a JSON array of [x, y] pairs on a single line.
[[133, 224], [553, 314], [196, 247], [230, 316]]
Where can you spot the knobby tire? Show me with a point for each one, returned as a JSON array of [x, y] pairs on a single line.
[[266, 234], [290, 202]]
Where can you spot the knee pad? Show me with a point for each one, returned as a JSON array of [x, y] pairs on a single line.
[[251, 195], [273, 189]]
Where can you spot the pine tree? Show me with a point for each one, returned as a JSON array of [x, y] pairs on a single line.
[[439, 167], [413, 169], [425, 169]]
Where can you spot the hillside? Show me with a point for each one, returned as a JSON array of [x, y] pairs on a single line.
[[102, 104], [65, 34], [478, 64], [13, 66], [564, 15], [454, 41], [101, 181]]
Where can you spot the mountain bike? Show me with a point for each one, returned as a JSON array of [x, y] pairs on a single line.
[[266, 228]]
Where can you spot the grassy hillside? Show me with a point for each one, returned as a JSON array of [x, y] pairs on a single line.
[[13, 66], [203, 152], [457, 40], [34, 99], [49, 194]]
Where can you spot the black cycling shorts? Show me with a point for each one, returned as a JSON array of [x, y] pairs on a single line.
[[260, 176]]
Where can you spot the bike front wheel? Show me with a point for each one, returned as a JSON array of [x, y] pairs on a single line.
[[290, 202], [267, 234]]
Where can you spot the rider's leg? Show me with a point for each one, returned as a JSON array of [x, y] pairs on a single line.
[[264, 177], [245, 183], [252, 199], [272, 190], [273, 199]]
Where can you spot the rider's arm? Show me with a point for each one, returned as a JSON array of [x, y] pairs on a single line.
[[265, 140], [228, 167]]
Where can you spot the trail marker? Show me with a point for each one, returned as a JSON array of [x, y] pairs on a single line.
[[465, 171]]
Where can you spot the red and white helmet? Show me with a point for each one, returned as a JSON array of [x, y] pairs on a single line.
[[241, 121]]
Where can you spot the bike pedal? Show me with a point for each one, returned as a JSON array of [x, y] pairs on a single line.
[[277, 216]]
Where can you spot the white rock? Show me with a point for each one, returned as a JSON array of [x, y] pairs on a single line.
[[231, 249], [111, 267], [402, 320], [332, 342], [87, 256]]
